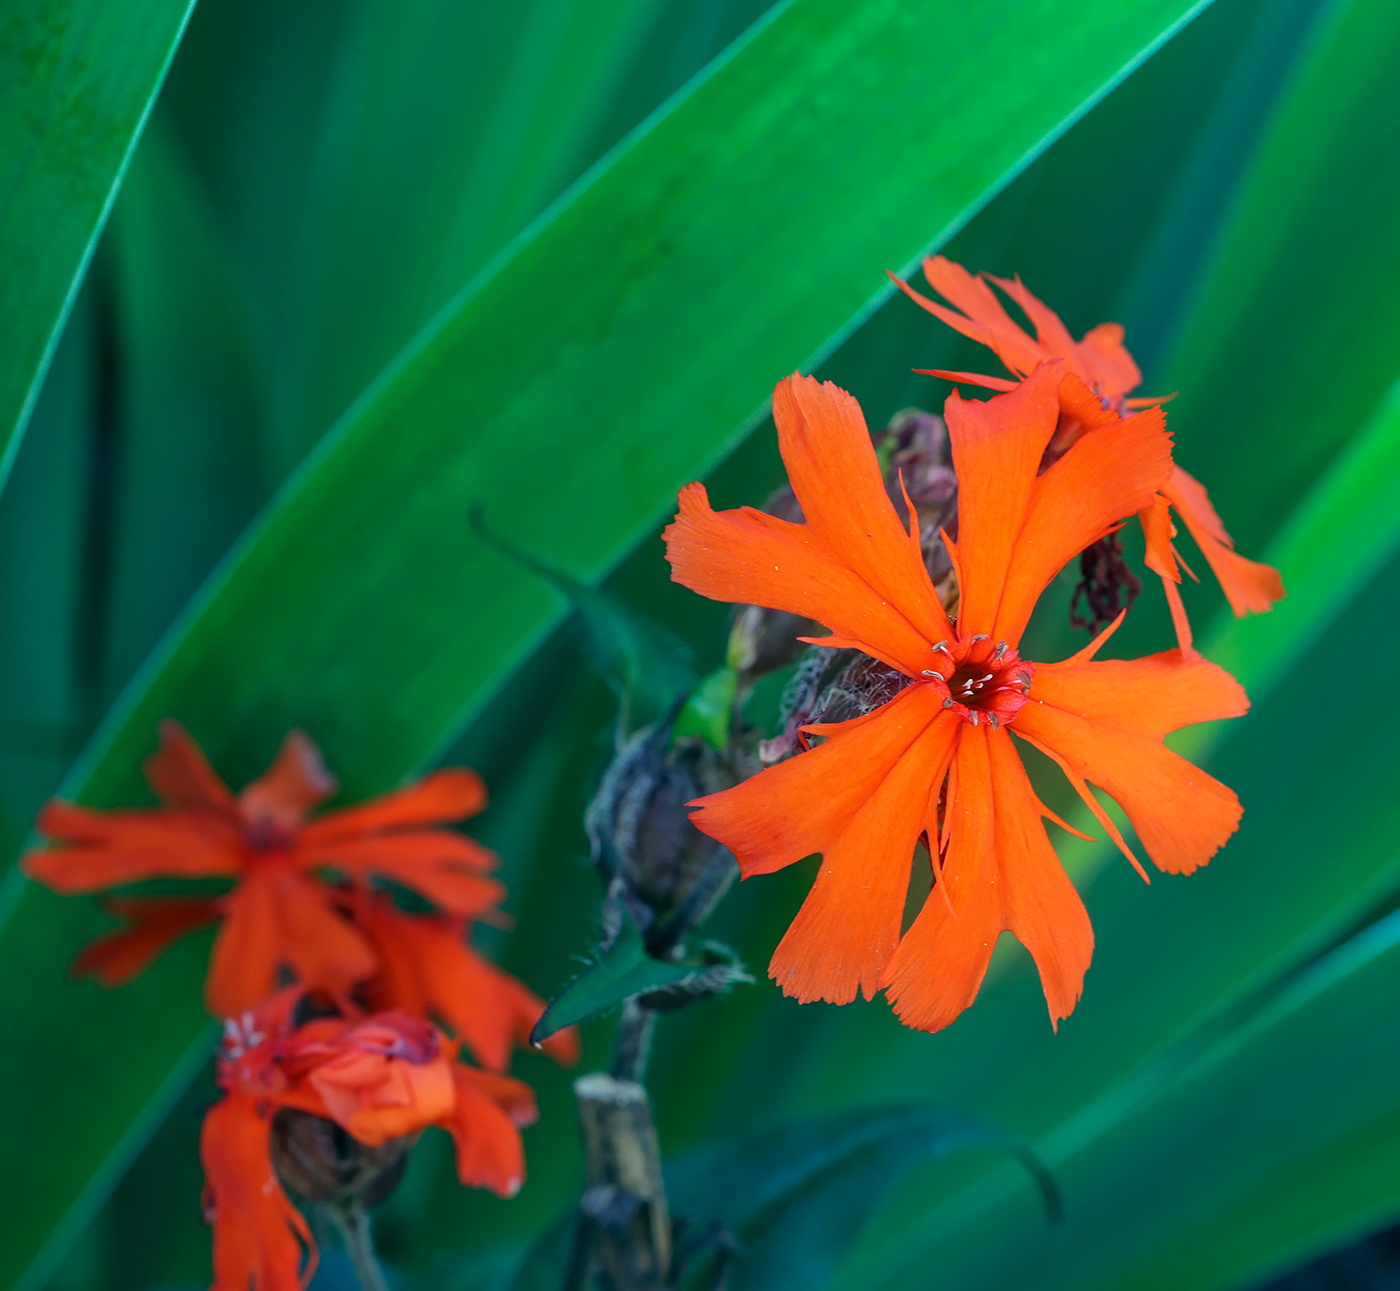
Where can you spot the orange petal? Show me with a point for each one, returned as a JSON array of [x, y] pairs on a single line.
[[181, 775], [838, 482], [1158, 530], [431, 1096], [452, 793], [1106, 721], [1150, 696], [983, 319], [1000, 384], [1110, 367], [261, 1242], [1106, 475], [155, 922], [489, 1151], [1053, 336], [514, 1097], [443, 866], [428, 969], [1248, 585], [847, 929], [1001, 874], [103, 849], [278, 917], [296, 782], [997, 447], [750, 558], [802, 806]]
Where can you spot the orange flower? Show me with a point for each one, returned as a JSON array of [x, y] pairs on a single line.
[[1099, 372], [938, 761], [428, 969], [380, 1077], [278, 915]]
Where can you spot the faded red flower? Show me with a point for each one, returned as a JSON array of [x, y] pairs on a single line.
[[279, 915], [938, 761], [380, 1077], [1098, 374]]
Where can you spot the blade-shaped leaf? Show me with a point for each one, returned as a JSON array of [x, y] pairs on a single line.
[[624, 970], [362, 608], [77, 79], [797, 1195], [648, 667]]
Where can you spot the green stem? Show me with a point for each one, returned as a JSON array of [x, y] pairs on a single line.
[[352, 1223]]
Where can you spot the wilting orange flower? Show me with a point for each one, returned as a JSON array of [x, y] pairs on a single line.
[[429, 969], [1099, 372], [379, 1077], [938, 760], [278, 914]]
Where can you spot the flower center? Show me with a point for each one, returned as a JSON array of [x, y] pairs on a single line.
[[982, 680]]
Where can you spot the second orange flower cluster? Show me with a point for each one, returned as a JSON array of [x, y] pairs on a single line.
[[339, 1003]]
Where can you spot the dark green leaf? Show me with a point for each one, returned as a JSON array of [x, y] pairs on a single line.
[[77, 79], [796, 1196], [620, 972]]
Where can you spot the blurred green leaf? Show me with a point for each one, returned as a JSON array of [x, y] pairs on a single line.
[[1275, 1139], [189, 461], [797, 1195], [648, 667], [1330, 547], [77, 79]]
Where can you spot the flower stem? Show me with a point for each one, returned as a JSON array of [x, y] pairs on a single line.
[[632, 1043], [352, 1223]]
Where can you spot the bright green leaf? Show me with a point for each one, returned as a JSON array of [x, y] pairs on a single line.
[[77, 79], [710, 708]]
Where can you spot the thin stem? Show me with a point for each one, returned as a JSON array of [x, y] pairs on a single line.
[[632, 1044], [352, 1223]]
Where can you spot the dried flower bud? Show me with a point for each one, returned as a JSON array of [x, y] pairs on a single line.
[[319, 1161], [831, 686], [664, 870], [918, 453]]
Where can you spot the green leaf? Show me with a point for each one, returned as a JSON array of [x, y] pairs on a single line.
[[797, 1195], [648, 667], [710, 708], [619, 973], [77, 79], [361, 606], [1331, 546]]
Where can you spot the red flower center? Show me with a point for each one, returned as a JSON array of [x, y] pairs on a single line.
[[983, 680]]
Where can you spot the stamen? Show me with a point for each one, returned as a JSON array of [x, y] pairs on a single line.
[[1000, 650], [981, 636], [948, 703]]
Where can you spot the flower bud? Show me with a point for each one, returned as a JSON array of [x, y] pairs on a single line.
[[320, 1162], [666, 873]]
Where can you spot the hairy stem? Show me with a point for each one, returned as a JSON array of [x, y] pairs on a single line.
[[352, 1223]]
